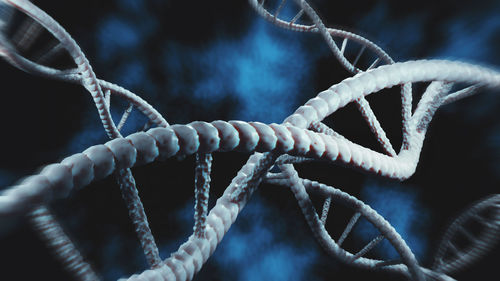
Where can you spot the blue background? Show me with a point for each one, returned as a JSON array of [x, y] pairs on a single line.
[[209, 60]]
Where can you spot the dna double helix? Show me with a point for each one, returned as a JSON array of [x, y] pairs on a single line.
[[302, 137]]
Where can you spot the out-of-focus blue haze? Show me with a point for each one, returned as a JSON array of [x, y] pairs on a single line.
[[264, 74], [262, 70], [401, 207]]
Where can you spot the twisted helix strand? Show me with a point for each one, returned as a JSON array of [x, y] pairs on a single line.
[[97, 162], [449, 258], [247, 170], [293, 137], [8, 52], [292, 24], [334, 247], [407, 265], [362, 103], [88, 79], [339, 53], [54, 236]]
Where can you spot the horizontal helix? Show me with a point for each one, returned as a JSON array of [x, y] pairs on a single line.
[[99, 161]]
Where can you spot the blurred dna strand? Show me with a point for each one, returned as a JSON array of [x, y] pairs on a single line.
[[34, 42]]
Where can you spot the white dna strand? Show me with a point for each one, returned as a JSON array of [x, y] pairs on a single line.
[[302, 135], [459, 246]]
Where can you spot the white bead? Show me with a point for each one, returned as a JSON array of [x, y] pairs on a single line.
[[146, 148], [320, 105], [297, 120], [229, 137], [331, 148], [192, 249], [216, 223], [302, 143], [308, 112], [166, 141], [317, 144], [208, 136], [344, 152], [267, 137], [187, 262], [177, 268], [248, 136], [82, 169], [124, 152], [103, 159], [60, 178], [188, 139]]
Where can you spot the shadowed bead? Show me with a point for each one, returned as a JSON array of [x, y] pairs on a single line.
[[443, 74], [231, 207], [344, 152], [356, 86], [82, 169], [103, 159], [188, 139], [267, 137], [124, 152], [285, 140], [320, 105], [192, 249], [368, 81], [208, 136], [177, 268], [224, 215], [32, 190], [404, 74], [187, 262], [152, 275], [248, 136], [462, 70], [229, 137], [367, 161], [10, 205], [375, 167], [356, 156], [166, 141], [211, 236], [216, 223], [317, 144], [331, 147], [383, 165], [203, 247], [394, 75], [343, 93], [146, 148], [425, 74], [60, 178], [381, 78], [302, 142], [332, 99], [308, 112], [391, 168], [296, 120]]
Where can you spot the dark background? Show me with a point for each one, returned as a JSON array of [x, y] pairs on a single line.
[[209, 60]]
